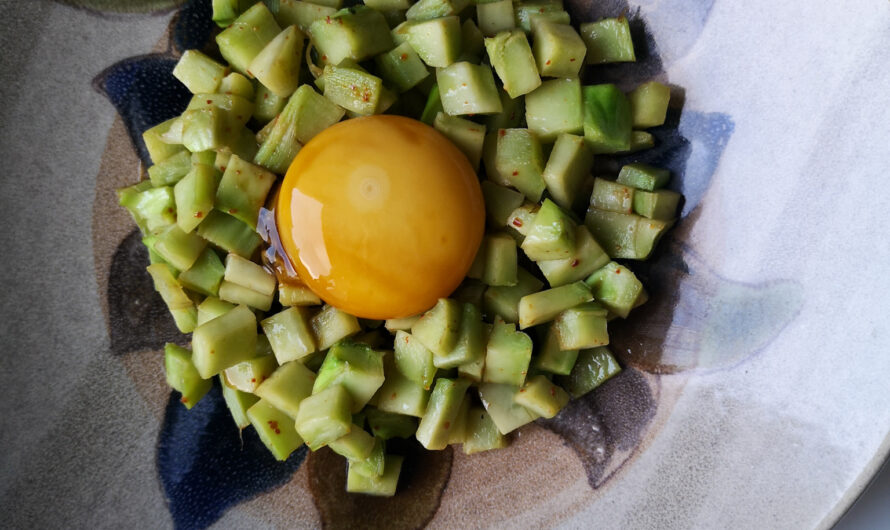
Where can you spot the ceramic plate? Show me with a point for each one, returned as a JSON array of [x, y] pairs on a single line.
[[754, 390]]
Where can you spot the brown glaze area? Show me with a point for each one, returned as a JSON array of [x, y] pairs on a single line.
[[605, 426], [424, 476]]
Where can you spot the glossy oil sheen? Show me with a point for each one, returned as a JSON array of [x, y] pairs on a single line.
[[381, 216]]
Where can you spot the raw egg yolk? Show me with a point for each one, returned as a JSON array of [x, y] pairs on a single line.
[[381, 216]]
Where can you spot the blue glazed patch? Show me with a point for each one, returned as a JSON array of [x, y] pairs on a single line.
[[205, 468], [194, 26]]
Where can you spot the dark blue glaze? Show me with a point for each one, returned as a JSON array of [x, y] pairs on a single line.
[[193, 26], [204, 465]]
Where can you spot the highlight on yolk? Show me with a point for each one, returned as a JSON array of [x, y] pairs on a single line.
[[381, 216]]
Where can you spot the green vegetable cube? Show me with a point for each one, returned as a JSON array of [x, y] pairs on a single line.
[[439, 328], [505, 413], [249, 274], [649, 232], [469, 346], [386, 425], [237, 402], [229, 234], [290, 294], [466, 88], [353, 89], [519, 162], [413, 359], [238, 294], [195, 195], [559, 50], [433, 9], [481, 433], [582, 326], [592, 369], [205, 275], [198, 72], [243, 189], [180, 305], [355, 367], [500, 202], [567, 168], [504, 301], [555, 108], [247, 375], [247, 36], [275, 428], [459, 427], [436, 41], [542, 397], [357, 445], [325, 417], [224, 341], [179, 249], [266, 106], [400, 395], [660, 205], [330, 325], [211, 308], [607, 119], [302, 14], [495, 17], [552, 234], [616, 287], [153, 209], [544, 306], [586, 258], [402, 67], [371, 467], [468, 136], [612, 196], [472, 42], [441, 412], [204, 129], [507, 355], [182, 375], [643, 176], [608, 41], [433, 106], [237, 85], [356, 33], [512, 59], [649, 104], [277, 66], [530, 13], [289, 334], [158, 149], [171, 170], [287, 387], [384, 486], [500, 259], [616, 232], [552, 358]]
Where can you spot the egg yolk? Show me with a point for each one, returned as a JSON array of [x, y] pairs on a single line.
[[381, 216]]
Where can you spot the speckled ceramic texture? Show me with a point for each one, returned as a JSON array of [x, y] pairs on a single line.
[[754, 394]]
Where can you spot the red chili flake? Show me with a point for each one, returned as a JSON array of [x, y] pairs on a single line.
[[327, 19], [406, 339], [212, 352], [404, 57], [515, 173], [552, 390], [617, 271], [233, 211], [574, 263], [548, 62], [238, 171], [169, 210], [522, 390], [517, 222], [253, 379], [541, 10], [366, 97], [222, 168], [466, 102], [447, 424], [238, 116], [199, 215], [502, 132], [209, 101], [324, 57], [266, 95], [273, 425], [473, 129], [572, 60], [393, 396], [463, 84], [184, 400]]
